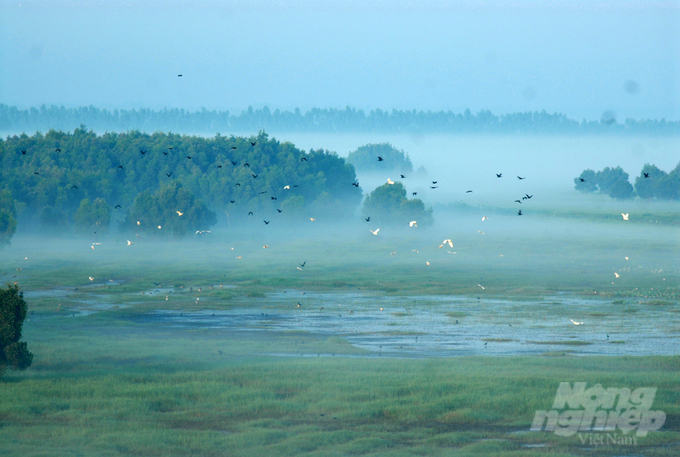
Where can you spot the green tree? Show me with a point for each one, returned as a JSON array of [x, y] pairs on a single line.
[[8, 222], [388, 204], [13, 354], [646, 187], [365, 158], [93, 216], [586, 182], [606, 178], [175, 209], [622, 190]]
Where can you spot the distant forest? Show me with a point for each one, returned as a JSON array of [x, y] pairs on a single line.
[[349, 119]]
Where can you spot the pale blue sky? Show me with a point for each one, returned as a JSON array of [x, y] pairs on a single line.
[[565, 56]]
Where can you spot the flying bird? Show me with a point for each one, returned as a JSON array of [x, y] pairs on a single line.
[[518, 201], [287, 188], [481, 286], [449, 242], [433, 187], [368, 219], [189, 157], [499, 175], [74, 187], [414, 194], [375, 233], [484, 218], [57, 150], [468, 192], [250, 213], [263, 192], [246, 165], [528, 196], [265, 246], [179, 76], [23, 151], [121, 167], [617, 275], [233, 163], [413, 224], [302, 265], [179, 213], [355, 184], [646, 175], [312, 219], [91, 278], [233, 147], [254, 175], [380, 159], [581, 179], [625, 216], [253, 143], [389, 181], [519, 213], [434, 182], [143, 152], [130, 243], [576, 323], [481, 233], [304, 159], [168, 174], [402, 176], [520, 178], [273, 198], [232, 201], [279, 210]]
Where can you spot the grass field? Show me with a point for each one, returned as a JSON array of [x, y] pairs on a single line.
[[105, 383]]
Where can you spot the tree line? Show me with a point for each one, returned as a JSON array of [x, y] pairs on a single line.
[[652, 183], [165, 183], [13, 119]]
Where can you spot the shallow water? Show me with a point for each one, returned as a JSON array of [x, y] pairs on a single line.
[[420, 327]]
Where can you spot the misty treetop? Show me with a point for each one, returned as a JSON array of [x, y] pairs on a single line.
[[380, 157], [652, 183], [13, 119], [388, 204], [58, 178], [13, 353]]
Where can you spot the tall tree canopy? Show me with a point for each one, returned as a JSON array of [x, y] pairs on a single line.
[[388, 204], [365, 158], [13, 308]]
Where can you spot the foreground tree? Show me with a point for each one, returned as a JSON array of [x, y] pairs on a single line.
[[13, 354], [388, 204]]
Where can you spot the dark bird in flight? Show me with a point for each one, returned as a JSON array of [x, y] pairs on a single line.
[[238, 184], [254, 175], [117, 206], [304, 159], [402, 176], [74, 187], [528, 196], [263, 192], [232, 201], [121, 167], [168, 174], [499, 175], [468, 192], [253, 143], [273, 198], [233, 147], [170, 147], [250, 213], [265, 222], [519, 213], [434, 182], [165, 153], [279, 210], [355, 184], [433, 187], [232, 162], [302, 265], [414, 193], [646, 175], [179, 76], [219, 166], [58, 150], [520, 178], [296, 185], [36, 173], [246, 165], [368, 219], [380, 159], [189, 157], [518, 201], [23, 151], [143, 152], [582, 180]]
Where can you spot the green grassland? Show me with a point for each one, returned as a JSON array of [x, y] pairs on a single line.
[[103, 384]]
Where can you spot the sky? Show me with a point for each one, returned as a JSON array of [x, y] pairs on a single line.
[[580, 58]]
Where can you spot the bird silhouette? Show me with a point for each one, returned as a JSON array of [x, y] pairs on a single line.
[[499, 175], [302, 265], [254, 175], [304, 159], [253, 143], [468, 192], [121, 167], [233, 163], [266, 222], [625, 216], [189, 157], [57, 150], [23, 151], [237, 184], [179, 76], [519, 213], [165, 153], [376, 231], [434, 182], [250, 213], [273, 198], [402, 176], [368, 219], [355, 184], [233, 147], [434, 187], [246, 165], [74, 187], [279, 210], [582, 180], [232, 201], [414, 194], [263, 192], [143, 152], [520, 178], [168, 174], [646, 175], [219, 166], [117, 206], [380, 159], [36, 173], [528, 196], [518, 201]]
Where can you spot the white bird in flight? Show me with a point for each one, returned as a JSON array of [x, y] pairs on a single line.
[[130, 243], [481, 286], [616, 274], [389, 181], [287, 187], [91, 278], [484, 218], [481, 233], [576, 323], [625, 216], [449, 242], [376, 231], [179, 213], [413, 224]]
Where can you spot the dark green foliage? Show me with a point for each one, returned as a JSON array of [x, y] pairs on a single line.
[[589, 183], [161, 209], [388, 204], [8, 222], [365, 158], [647, 187], [622, 190], [13, 354], [93, 216], [607, 178], [81, 166]]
